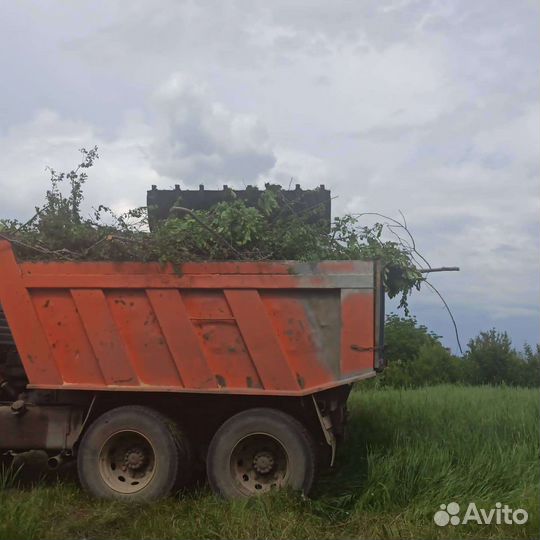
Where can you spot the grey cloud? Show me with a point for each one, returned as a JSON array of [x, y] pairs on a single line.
[[199, 139], [425, 106]]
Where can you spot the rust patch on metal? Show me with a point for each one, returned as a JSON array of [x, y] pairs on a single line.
[[122, 381], [359, 348]]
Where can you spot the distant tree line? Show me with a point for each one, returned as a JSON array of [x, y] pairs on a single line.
[[416, 357]]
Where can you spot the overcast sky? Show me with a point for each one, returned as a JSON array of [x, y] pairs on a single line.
[[427, 107]]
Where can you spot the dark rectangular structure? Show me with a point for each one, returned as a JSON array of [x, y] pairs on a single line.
[[313, 203]]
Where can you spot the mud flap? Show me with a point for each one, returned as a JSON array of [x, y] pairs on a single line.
[[327, 429]]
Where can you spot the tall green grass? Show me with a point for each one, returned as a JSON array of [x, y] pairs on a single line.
[[407, 452]]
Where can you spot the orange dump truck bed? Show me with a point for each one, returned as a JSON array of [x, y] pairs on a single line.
[[281, 328]]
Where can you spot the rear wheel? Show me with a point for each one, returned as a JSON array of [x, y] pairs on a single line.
[[133, 453], [260, 450]]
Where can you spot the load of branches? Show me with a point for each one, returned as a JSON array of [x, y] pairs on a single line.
[[230, 230]]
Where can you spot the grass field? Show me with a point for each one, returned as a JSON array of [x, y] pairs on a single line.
[[407, 453]]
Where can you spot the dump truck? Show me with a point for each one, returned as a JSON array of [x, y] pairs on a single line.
[[141, 371]]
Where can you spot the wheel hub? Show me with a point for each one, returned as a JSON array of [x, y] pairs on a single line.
[[263, 462], [127, 462], [259, 464], [134, 459]]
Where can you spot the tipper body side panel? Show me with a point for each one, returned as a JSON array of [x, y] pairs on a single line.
[[276, 328]]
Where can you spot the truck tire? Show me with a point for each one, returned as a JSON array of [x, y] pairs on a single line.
[[6, 461], [133, 453], [259, 450]]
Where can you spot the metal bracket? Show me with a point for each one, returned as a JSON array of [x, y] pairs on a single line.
[[358, 348], [326, 425], [78, 434]]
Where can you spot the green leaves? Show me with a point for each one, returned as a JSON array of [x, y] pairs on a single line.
[[268, 230]]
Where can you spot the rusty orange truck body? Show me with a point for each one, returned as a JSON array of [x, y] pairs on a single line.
[[206, 351]]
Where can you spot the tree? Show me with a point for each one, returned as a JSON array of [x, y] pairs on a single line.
[[415, 355], [404, 337], [532, 365], [491, 359]]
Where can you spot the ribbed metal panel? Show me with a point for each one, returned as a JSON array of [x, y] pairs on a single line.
[[5, 334], [264, 328]]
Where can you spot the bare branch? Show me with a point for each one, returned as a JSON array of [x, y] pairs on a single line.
[[400, 225], [449, 313], [441, 269]]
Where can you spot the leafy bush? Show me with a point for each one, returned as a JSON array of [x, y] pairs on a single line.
[[415, 355], [403, 338]]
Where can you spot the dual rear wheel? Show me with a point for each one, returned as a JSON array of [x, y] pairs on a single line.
[[260, 450], [133, 453], [136, 453]]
